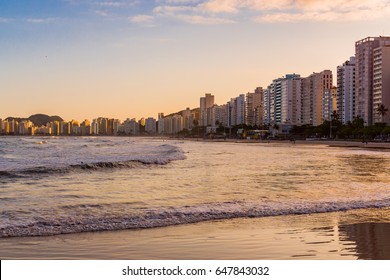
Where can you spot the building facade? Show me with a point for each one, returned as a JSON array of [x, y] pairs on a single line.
[[312, 92], [381, 83], [346, 90], [291, 100], [364, 53], [205, 103]]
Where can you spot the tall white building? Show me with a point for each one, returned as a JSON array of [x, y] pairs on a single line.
[[346, 90], [276, 101], [364, 53], [266, 102], [281, 101], [150, 125], [131, 127], [236, 110], [291, 100], [160, 123], [381, 82], [329, 103]]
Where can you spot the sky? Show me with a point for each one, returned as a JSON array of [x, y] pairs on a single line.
[[132, 59]]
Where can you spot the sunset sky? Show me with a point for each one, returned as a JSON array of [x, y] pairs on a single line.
[[119, 59]]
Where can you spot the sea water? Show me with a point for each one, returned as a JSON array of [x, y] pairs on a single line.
[[58, 185]]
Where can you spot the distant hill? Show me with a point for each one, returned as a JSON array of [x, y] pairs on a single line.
[[196, 111], [37, 119], [41, 119]]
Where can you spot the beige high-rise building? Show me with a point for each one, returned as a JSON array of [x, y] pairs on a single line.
[[381, 82], [291, 100], [364, 53], [254, 114], [312, 93], [205, 103], [86, 128]]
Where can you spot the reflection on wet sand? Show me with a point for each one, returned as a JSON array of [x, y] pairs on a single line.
[[324, 236], [371, 239]]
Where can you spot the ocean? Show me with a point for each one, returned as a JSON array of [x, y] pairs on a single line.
[[56, 186]]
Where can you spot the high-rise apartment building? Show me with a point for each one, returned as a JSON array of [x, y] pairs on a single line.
[[173, 124], [55, 128], [282, 101], [86, 128], [291, 100], [188, 117], [150, 125], [160, 123], [258, 106], [254, 115], [364, 53], [329, 103], [266, 102], [346, 90], [312, 93], [131, 127], [236, 111], [381, 82], [205, 103], [218, 115]]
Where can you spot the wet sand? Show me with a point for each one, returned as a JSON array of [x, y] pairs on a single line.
[[330, 143], [357, 234]]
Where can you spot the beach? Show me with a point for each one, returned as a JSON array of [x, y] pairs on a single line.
[[357, 234], [175, 199]]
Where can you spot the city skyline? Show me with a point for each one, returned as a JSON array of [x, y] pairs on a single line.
[[82, 59]]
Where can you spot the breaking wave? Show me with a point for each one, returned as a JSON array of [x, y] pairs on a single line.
[[97, 220], [162, 155]]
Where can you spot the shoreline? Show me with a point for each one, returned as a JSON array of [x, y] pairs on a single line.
[[322, 236], [329, 143]]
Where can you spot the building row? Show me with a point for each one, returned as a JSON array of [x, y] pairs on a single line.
[[99, 126], [289, 100], [363, 84]]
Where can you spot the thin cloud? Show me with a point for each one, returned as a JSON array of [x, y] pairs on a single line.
[[182, 1], [4, 20], [111, 4], [142, 19], [346, 11], [193, 14], [221, 6], [102, 13], [39, 20], [196, 19], [303, 10]]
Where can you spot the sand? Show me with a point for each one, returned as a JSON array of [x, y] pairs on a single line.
[[357, 234]]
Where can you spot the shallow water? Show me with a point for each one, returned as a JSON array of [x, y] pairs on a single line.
[[355, 234], [51, 186]]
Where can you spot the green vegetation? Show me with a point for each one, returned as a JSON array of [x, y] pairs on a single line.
[[351, 130]]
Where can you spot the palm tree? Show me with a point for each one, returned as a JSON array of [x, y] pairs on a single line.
[[335, 116], [382, 110]]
